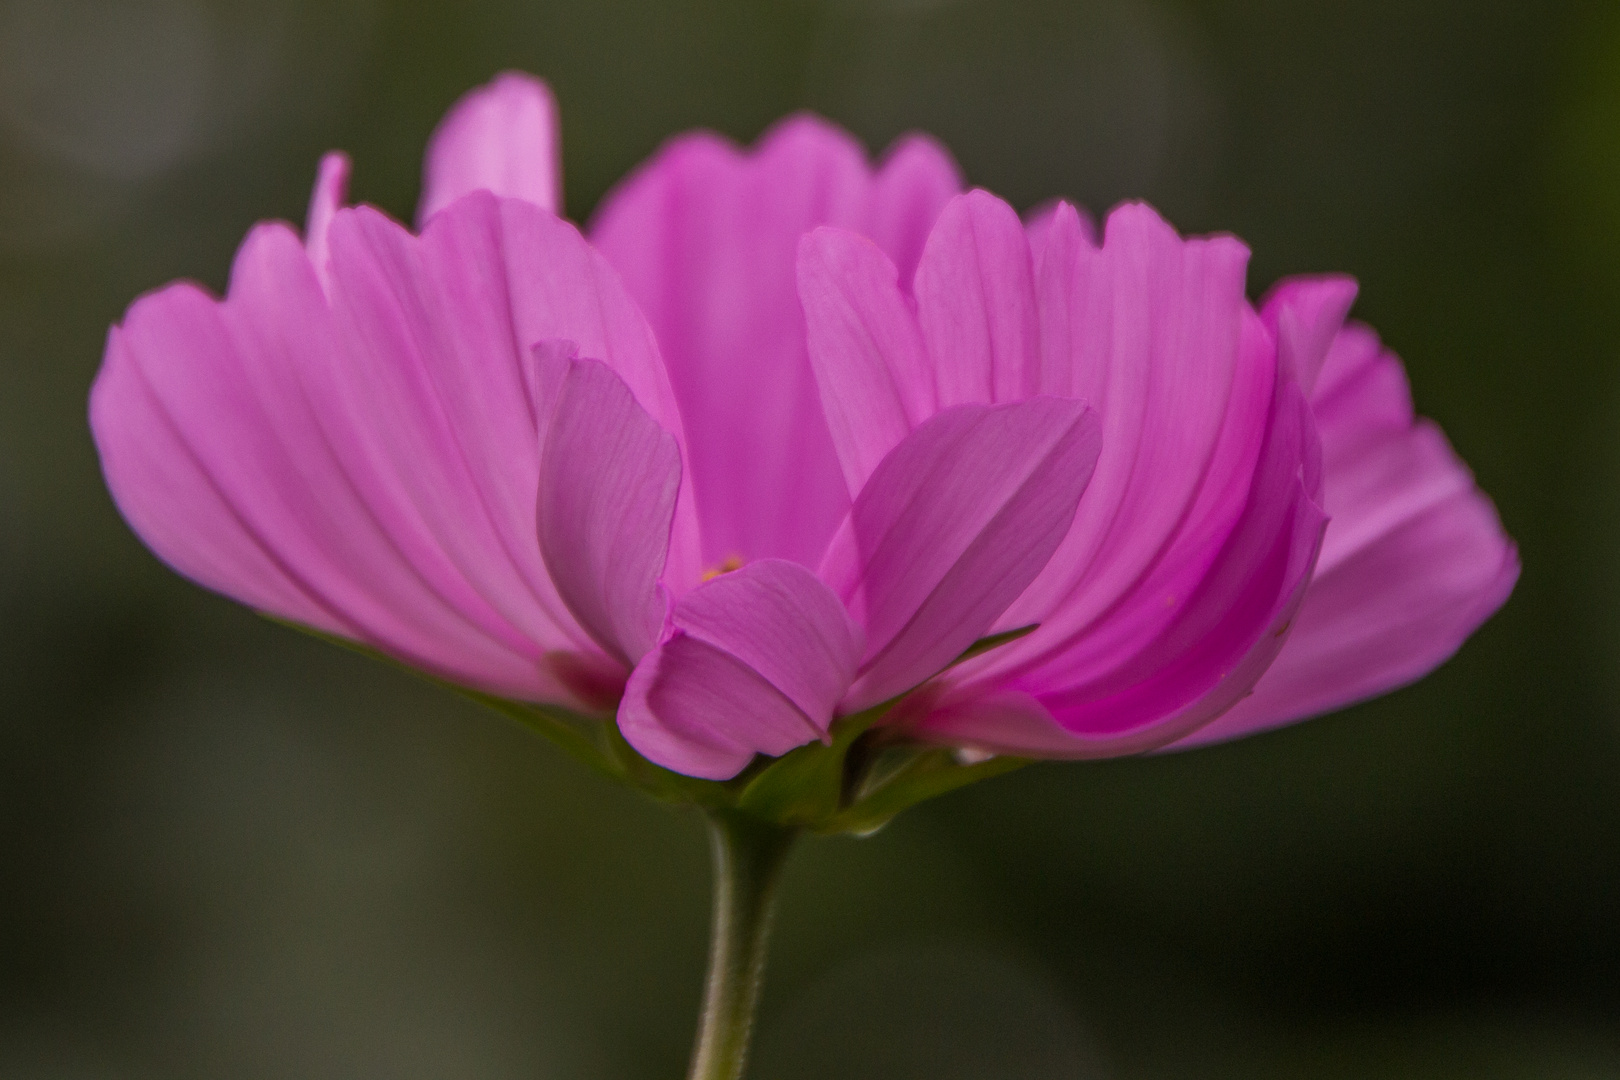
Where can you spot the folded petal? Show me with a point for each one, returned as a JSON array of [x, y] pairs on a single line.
[[976, 303], [754, 662], [1194, 544], [1414, 559], [875, 379], [500, 138], [706, 236], [1220, 639], [331, 191], [608, 480], [954, 523], [1304, 315]]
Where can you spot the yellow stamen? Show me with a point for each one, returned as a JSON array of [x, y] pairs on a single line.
[[727, 565]]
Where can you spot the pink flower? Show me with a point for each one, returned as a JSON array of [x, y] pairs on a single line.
[[787, 437]]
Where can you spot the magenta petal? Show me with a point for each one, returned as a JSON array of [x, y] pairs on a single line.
[[875, 379], [1156, 334], [976, 303], [1226, 633], [1304, 315], [501, 138], [1413, 560], [706, 236], [955, 522], [609, 476], [755, 661]]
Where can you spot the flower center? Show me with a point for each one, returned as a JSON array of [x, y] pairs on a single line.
[[727, 565]]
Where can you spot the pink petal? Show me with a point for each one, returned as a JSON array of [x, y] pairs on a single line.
[[1156, 334], [608, 480], [1413, 562], [501, 138], [706, 236], [331, 190], [1039, 221], [875, 379], [237, 446], [365, 458], [954, 524], [976, 303], [1304, 315], [1219, 642], [755, 662], [1195, 541], [488, 280]]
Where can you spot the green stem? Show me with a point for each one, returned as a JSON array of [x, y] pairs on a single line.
[[748, 859]]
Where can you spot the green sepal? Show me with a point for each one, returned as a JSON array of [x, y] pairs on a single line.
[[994, 641], [903, 775], [855, 782], [806, 786]]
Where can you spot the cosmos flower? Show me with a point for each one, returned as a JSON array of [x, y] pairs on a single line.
[[785, 439]]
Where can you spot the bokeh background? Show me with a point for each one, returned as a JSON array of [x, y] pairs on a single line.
[[229, 851]]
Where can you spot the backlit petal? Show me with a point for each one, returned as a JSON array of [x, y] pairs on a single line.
[[501, 138], [706, 236]]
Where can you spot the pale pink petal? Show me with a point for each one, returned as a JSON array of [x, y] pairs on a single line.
[[976, 303], [952, 526], [501, 138], [755, 661], [608, 480], [874, 377], [1413, 560], [331, 191], [706, 236]]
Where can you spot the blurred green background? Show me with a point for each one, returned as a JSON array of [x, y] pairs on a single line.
[[228, 851]]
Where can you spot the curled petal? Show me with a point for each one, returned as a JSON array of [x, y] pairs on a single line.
[[955, 522], [1304, 315], [501, 138], [754, 662], [1157, 335], [609, 476], [1413, 561], [331, 190], [1218, 643]]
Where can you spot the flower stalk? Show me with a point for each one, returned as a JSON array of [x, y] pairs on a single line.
[[748, 858]]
